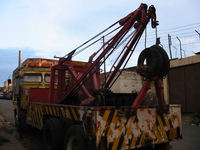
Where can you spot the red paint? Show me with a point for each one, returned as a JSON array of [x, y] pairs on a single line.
[[40, 95]]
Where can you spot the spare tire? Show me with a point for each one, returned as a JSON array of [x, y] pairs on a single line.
[[165, 60], [153, 62]]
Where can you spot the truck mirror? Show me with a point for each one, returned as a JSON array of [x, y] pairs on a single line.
[[9, 81]]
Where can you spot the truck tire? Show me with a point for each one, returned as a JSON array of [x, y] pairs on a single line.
[[153, 60], [75, 138], [67, 123], [53, 134], [165, 60]]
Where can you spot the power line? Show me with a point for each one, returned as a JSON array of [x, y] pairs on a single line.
[[177, 31], [163, 30]]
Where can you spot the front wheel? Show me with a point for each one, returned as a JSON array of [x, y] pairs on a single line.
[[75, 138]]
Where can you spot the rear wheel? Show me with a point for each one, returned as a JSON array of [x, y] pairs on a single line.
[[53, 134], [75, 138], [66, 123]]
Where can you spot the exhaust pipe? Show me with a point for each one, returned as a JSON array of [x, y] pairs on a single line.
[[20, 59]]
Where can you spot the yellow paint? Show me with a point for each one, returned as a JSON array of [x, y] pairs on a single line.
[[172, 134], [162, 128], [142, 138], [63, 112], [50, 110], [114, 120], [128, 131], [166, 121], [121, 127], [47, 110], [102, 126], [54, 111], [74, 114], [68, 113], [134, 140], [156, 132], [177, 116]]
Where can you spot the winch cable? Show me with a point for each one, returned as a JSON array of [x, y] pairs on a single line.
[[81, 50], [120, 44], [124, 64], [114, 49], [93, 38]]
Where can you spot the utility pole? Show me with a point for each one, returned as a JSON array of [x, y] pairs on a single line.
[[170, 43], [180, 47]]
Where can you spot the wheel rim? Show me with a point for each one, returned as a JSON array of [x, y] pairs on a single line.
[[72, 143]]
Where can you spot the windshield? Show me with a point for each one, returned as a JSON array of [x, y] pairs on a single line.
[[32, 77]]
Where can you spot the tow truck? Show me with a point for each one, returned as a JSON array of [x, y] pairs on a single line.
[[76, 110]]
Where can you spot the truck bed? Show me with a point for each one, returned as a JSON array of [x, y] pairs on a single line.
[[113, 126]]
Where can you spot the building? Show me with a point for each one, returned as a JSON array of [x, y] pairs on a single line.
[[7, 89], [128, 81]]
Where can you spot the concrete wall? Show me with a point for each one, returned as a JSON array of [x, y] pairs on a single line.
[[185, 61], [127, 82]]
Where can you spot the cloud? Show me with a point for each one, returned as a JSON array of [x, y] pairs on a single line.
[[29, 24], [188, 40], [44, 28]]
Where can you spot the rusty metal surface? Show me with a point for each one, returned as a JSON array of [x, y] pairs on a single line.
[[184, 83], [119, 130], [147, 125]]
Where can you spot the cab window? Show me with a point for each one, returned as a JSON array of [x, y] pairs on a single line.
[[47, 78], [32, 77]]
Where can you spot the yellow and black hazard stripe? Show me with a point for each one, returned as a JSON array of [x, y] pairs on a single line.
[[130, 132], [36, 113]]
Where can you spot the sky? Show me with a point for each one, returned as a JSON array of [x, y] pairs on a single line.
[[44, 28]]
